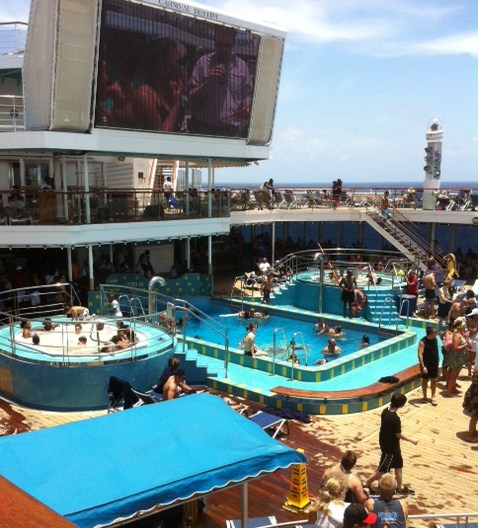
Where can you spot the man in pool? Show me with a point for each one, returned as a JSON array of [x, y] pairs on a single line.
[[47, 325], [331, 349]]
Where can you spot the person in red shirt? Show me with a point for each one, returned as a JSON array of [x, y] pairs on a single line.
[[412, 283]]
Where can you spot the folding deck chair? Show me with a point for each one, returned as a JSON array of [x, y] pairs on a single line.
[[148, 397], [121, 395], [270, 423], [256, 522]]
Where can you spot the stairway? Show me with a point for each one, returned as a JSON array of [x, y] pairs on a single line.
[[381, 310], [400, 233]]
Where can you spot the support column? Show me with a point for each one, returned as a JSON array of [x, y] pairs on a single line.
[[273, 248], [86, 186], [360, 233], [209, 254], [209, 187], [432, 235], [90, 268], [68, 256], [452, 238], [188, 253], [64, 186], [244, 504]]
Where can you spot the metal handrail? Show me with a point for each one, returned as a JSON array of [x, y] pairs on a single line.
[[274, 347], [387, 303]]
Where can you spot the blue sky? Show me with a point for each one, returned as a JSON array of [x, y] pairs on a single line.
[[361, 82]]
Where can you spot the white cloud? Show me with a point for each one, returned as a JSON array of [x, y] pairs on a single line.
[[386, 28], [461, 44]]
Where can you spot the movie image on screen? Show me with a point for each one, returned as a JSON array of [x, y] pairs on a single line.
[[166, 72]]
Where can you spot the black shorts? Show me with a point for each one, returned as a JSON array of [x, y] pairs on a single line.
[[389, 461], [432, 372], [430, 295], [348, 296]]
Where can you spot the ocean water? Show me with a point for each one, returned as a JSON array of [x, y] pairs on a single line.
[[417, 184], [346, 234]]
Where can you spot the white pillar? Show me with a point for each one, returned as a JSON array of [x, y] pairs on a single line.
[[432, 167], [209, 254], [86, 186], [90, 268]]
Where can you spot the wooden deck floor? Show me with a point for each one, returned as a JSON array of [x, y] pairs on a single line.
[[443, 468]]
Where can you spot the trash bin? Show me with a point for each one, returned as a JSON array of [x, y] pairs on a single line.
[[408, 304]]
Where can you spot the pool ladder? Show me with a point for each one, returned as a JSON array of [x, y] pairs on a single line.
[[296, 342]]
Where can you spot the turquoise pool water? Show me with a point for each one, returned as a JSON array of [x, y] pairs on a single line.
[[309, 344]]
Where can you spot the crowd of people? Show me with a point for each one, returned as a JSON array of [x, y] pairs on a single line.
[[342, 491]]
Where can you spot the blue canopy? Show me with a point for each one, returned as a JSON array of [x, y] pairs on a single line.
[[96, 471]]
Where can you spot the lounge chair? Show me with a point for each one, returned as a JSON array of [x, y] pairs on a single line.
[[121, 395], [256, 522], [290, 199], [270, 423], [148, 397], [313, 199]]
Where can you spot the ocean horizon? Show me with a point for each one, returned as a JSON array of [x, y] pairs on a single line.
[[467, 184]]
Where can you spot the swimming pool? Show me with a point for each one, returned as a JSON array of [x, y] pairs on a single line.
[[308, 344], [58, 374]]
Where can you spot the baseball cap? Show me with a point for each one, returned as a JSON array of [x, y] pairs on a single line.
[[357, 514], [473, 313]]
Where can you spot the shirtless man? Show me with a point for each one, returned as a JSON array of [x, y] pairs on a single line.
[[348, 285], [457, 309], [172, 387], [79, 313], [331, 349], [343, 470], [336, 332], [429, 283]]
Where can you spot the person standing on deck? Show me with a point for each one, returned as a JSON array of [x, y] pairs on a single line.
[[428, 359], [429, 283], [389, 439], [348, 285]]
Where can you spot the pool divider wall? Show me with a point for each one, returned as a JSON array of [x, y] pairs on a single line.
[[328, 406], [313, 374]]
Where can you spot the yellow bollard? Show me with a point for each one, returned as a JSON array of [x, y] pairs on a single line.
[[298, 498]]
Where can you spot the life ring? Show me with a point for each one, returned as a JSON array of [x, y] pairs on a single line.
[[359, 303]]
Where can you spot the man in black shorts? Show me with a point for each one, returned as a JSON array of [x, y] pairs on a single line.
[[428, 359], [389, 440]]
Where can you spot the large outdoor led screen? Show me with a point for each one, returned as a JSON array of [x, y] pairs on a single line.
[[163, 71]]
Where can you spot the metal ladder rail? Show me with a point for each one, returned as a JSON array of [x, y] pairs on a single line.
[[206, 319], [274, 347], [134, 303], [304, 346], [388, 302]]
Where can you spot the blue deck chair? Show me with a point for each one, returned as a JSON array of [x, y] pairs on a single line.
[[256, 522], [270, 423]]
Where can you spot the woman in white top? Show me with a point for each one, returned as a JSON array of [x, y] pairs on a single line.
[[330, 510]]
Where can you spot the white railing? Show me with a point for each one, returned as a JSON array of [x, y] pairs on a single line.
[[12, 37], [12, 116]]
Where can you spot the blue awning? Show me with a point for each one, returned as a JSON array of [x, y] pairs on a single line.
[[96, 471]]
